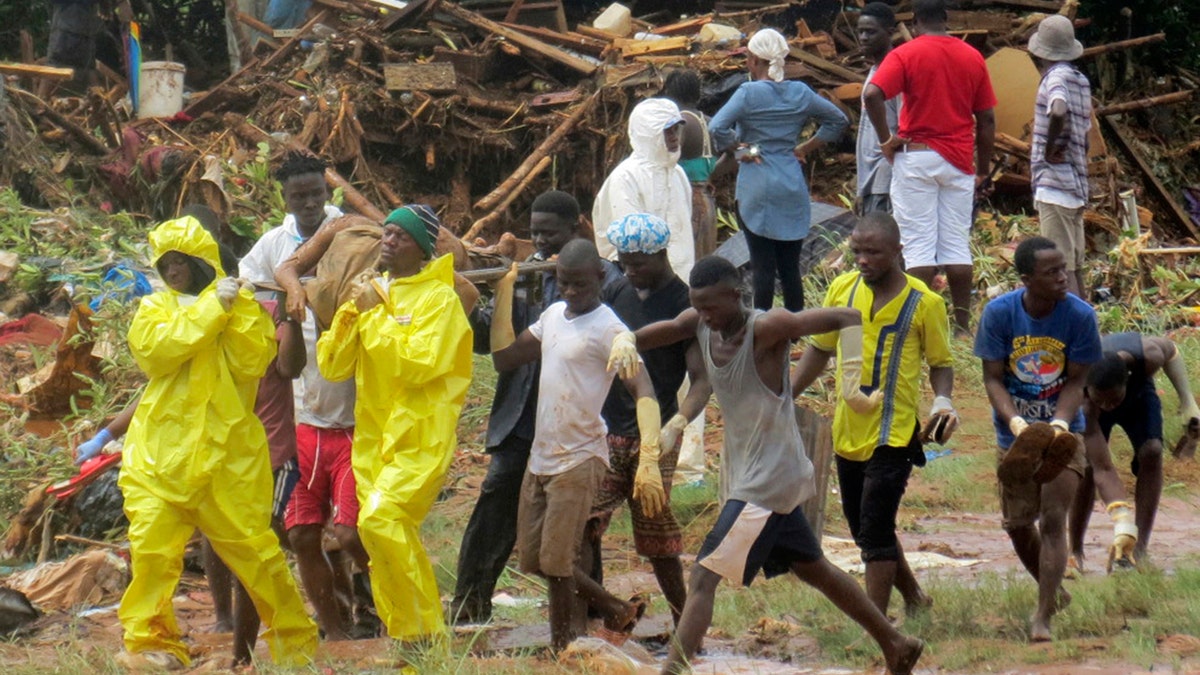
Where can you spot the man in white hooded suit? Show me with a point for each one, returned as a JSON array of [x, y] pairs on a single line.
[[650, 181]]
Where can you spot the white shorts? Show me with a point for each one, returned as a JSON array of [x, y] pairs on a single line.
[[932, 202]]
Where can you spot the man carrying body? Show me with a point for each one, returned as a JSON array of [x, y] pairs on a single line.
[[1058, 157], [1120, 392], [491, 532], [650, 181], [875, 25], [904, 324], [641, 241], [948, 102], [767, 475], [406, 342], [1036, 344], [324, 409]]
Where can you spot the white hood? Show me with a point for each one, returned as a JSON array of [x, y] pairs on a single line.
[[646, 125]]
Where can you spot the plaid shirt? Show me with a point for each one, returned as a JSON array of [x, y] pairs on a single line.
[[1064, 82]]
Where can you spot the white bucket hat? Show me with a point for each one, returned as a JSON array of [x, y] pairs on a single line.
[[1055, 40]]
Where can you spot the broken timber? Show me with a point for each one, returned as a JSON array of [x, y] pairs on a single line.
[[44, 72], [1152, 181], [815, 61], [1143, 103], [1122, 44], [525, 42]]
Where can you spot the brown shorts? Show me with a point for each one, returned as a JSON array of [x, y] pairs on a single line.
[[655, 537], [1064, 227], [551, 518], [1021, 503]]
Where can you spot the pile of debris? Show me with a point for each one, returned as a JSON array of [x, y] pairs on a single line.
[[475, 107]]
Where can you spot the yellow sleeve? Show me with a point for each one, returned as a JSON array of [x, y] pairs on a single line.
[[422, 350], [163, 335], [936, 331], [829, 341], [337, 349], [248, 341]]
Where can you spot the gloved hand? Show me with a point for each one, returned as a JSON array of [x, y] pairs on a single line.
[[91, 448], [227, 290], [246, 285], [672, 430], [367, 292], [502, 334], [1125, 533], [647, 482], [850, 340], [624, 355], [942, 422], [1016, 425]]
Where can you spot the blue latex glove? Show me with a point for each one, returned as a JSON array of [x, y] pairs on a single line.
[[91, 448]]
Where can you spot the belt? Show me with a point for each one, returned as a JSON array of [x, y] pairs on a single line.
[[913, 147]]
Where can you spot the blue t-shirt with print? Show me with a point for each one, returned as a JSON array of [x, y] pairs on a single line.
[[1035, 353]]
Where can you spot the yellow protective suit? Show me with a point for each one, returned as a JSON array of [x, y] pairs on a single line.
[[411, 359], [196, 457]]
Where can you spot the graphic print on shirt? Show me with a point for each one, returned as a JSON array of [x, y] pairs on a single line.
[[1037, 372]]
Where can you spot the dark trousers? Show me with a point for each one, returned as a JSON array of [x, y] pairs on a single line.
[[871, 493], [492, 530], [769, 257]]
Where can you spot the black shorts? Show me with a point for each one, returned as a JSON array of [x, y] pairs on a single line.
[[749, 538], [871, 493], [1140, 415]]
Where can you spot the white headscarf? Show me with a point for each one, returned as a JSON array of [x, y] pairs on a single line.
[[768, 45]]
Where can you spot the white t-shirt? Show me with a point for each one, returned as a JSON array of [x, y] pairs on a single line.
[[573, 386], [319, 402], [275, 246]]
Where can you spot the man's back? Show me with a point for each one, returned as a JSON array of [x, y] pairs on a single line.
[[944, 82]]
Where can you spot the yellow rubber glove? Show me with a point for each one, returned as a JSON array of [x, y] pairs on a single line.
[[624, 356], [1017, 424], [850, 340], [647, 483], [672, 430], [502, 334], [1125, 533]]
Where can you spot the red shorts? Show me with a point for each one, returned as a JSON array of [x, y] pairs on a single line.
[[326, 479]]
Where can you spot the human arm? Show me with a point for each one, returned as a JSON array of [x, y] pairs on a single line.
[[1070, 398], [998, 396], [509, 352], [874, 101], [164, 335], [1056, 122], [722, 127], [248, 341], [832, 121], [112, 431], [292, 356], [812, 363], [985, 140], [287, 274], [648, 487], [1165, 352]]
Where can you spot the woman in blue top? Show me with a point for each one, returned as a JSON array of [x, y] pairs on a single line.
[[772, 195]]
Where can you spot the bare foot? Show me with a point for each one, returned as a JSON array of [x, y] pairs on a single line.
[[917, 604], [1039, 630], [903, 658]]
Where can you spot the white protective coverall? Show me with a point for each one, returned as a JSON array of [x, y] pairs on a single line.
[[411, 359], [196, 457], [649, 181]]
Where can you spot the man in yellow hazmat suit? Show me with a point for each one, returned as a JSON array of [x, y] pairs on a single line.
[[196, 455], [406, 341]]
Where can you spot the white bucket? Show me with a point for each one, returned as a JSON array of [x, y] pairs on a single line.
[[160, 89]]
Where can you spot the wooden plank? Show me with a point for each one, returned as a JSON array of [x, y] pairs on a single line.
[[43, 72], [575, 41], [815, 61], [1143, 103], [1152, 182], [554, 98], [414, 9], [436, 76], [525, 42], [596, 33], [1123, 44], [641, 47], [685, 27]]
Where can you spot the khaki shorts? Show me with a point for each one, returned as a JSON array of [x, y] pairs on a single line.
[[1064, 227], [1021, 504], [551, 518]]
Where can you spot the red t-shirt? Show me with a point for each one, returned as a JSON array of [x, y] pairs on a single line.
[[275, 406], [944, 81]]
